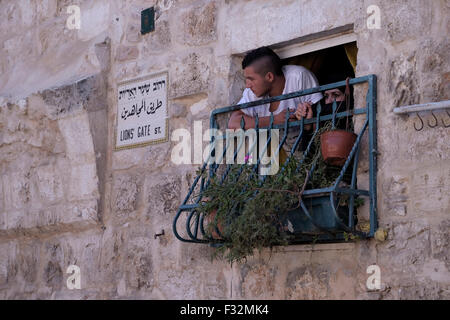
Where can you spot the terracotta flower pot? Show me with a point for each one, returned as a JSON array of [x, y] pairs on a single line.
[[211, 223], [210, 220], [336, 146]]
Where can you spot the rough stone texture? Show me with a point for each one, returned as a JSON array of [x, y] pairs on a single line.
[[67, 197], [189, 73], [125, 53], [158, 40], [126, 193], [198, 26]]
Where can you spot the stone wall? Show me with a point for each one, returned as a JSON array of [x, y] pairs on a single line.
[[66, 197]]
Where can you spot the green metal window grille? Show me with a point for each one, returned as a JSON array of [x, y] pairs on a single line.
[[317, 219]]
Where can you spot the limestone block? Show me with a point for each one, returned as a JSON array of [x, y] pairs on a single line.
[[308, 282], [199, 107], [79, 213], [4, 253], [431, 62], [126, 193], [408, 19], [17, 189], [409, 244], [440, 242], [125, 53], [91, 92], [103, 53], [3, 220], [40, 219], [173, 280], [2, 201], [139, 269], [157, 41], [215, 285], [118, 23], [9, 252], [395, 191], [83, 182], [298, 19], [127, 70], [127, 158], [95, 19], [190, 73], [49, 183], [98, 123], [444, 86], [419, 290], [48, 217], [61, 102], [417, 147], [151, 157], [402, 82], [14, 219], [46, 9], [28, 261], [78, 138], [163, 195], [258, 281], [9, 13], [53, 275], [429, 189], [187, 254], [48, 57], [177, 110], [127, 264], [111, 257], [198, 26], [61, 252], [133, 33]]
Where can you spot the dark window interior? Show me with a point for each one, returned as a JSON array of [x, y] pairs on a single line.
[[328, 65]]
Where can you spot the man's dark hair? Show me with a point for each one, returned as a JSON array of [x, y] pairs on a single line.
[[267, 61]]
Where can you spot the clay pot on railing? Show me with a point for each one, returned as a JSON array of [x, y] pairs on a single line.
[[336, 146], [211, 223]]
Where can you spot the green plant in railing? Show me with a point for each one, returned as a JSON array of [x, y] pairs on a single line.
[[249, 212]]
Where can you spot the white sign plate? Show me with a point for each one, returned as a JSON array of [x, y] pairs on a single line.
[[142, 116]]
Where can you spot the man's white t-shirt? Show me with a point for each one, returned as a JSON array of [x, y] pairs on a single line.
[[297, 78]]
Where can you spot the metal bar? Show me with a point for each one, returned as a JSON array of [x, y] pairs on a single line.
[[356, 192], [308, 148], [334, 114], [295, 146], [177, 235], [186, 207], [339, 221], [371, 106], [274, 154], [423, 107], [351, 222], [289, 95], [188, 225], [306, 212], [352, 152]]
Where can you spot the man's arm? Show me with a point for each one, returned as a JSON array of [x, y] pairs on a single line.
[[250, 122], [304, 110]]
